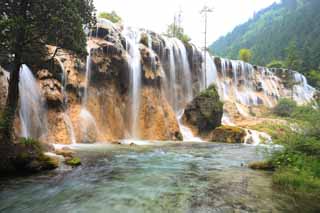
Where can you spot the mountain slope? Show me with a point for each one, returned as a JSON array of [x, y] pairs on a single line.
[[271, 30]]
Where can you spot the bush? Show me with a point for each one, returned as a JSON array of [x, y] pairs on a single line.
[[245, 55], [285, 107], [276, 64], [298, 164]]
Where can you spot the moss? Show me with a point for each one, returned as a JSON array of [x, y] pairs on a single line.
[[261, 165], [205, 111], [228, 134], [73, 161]]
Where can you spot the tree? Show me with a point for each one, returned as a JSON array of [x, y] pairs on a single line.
[[276, 64], [314, 78], [293, 61], [27, 26], [245, 55], [178, 32], [113, 16]]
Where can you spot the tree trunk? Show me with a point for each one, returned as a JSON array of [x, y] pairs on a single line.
[[13, 90]]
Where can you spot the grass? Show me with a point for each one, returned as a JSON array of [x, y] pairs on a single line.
[[298, 164]]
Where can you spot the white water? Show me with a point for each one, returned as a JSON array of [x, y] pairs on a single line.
[[88, 77], [70, 128], [133, 40], [186, 132], [32, 112], [65, 115]]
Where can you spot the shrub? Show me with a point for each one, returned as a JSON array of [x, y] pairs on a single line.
[[245, 55], [285, 107], [276, 64]]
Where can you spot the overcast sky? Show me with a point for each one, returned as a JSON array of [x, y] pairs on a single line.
[[156, 15]]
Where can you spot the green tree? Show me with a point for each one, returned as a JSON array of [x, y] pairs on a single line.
[[245, 55], [113, 16], [314, 78], [27, 26], [178, 32], [293, 60], [276, 64]]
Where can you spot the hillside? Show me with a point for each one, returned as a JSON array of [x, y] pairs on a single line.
[[269, 33]]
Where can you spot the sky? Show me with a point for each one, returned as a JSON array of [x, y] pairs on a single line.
[[156, 15]]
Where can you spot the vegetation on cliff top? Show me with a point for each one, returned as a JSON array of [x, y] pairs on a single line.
[[291, 24]]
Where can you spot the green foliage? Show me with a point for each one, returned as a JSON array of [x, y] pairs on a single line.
[[178, 32], [74, 161], [245, 55], [269, 33], [293, 60], [298, 164], [113, 16], [276, 64], [28, 141], [27, 26], [285, 107], [314, 78]]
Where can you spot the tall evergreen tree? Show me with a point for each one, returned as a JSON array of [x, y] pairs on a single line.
[[26, 27]]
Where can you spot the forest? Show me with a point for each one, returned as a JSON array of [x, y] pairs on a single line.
[[273, 30]]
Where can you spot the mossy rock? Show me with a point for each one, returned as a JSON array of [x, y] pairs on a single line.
[[261, 165], [228, 134], [205, 111], [75, 161]]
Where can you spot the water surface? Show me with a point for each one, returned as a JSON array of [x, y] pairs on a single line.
[[185, 177]]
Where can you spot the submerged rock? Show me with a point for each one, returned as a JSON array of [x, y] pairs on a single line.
[[205, 111], [228, 134]]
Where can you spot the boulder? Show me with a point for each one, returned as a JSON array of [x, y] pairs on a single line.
[[205, 111], [228, 134], [51, 90]]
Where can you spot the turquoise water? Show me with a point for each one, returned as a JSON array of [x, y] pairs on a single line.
[[183, 177]]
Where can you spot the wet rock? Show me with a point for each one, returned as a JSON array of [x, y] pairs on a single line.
[[65, 153], [261, 165], [75, 161], [228, 134], [51, 90], [205, 111]]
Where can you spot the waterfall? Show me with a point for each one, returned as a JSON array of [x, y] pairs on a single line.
[[88, 76], [32, 110], [184, 70], [133, 40], [179, 67], [65, 116], [302, 91], [186, 132]]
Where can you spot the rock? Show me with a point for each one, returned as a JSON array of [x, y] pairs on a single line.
[[29, 157], [44, 74], [65, 153], [205, 111], [228, 134], [51, 90], [75, 161], [262, 165]]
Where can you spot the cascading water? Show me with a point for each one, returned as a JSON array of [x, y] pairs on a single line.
[[32, 106], [184, 70], [88, 77], [65, 115], [133, 40], [179, 74]]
